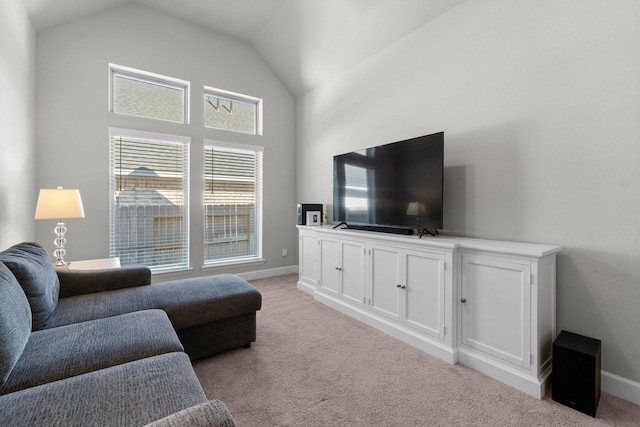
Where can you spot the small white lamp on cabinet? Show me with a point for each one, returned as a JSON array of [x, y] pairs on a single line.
[[58, 204]]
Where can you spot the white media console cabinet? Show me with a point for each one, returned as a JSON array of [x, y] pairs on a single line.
[[487, 304]]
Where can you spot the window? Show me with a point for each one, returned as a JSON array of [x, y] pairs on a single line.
[[233, 202], [149, 174], [231, 111], [142, 94], [148, 183]]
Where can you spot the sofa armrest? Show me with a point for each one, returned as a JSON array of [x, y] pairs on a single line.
[[79, 282], [213, 413]]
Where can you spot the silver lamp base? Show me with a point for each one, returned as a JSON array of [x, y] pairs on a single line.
[[60, 241]]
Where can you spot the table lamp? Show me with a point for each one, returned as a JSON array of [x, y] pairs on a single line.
[[58, 204]]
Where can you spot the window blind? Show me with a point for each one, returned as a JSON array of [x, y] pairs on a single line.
[[233, 203], [149, 201]]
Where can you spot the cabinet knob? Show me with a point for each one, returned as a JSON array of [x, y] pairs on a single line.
[[338, 268], [463, 300], [400, 286]]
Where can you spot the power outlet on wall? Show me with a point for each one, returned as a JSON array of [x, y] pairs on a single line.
[[284, 252]]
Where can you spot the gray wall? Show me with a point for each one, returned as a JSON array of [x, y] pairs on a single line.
[[72, 140], [17, 124], [540, 105]]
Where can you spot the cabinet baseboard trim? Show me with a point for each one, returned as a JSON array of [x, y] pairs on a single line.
[[537, 388], [405, 335], [305, 288]]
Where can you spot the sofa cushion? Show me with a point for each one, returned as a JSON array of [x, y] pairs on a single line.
[[15, 322], [30, 264], [132, 394], [59, 353], [78, 282], [188, 303], [213, 413]]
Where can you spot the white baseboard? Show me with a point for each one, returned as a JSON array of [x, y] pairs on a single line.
[[620, 387], [271, 272]]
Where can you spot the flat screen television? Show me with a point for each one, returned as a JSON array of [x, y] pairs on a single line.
[[394, 187]]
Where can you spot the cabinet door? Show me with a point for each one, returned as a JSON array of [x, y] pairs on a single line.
[[423, 275], [384, 268], [352, 272], [495, 308], [309, 259], [329, 265]]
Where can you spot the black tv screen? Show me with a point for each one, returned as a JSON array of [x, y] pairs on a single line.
[[392, 185]]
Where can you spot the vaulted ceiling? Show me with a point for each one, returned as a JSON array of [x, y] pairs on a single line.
[[305, 42]]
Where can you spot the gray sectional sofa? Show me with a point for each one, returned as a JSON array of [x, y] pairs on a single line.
[[108, 348]]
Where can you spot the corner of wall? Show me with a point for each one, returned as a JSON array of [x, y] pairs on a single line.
[[17, 121]]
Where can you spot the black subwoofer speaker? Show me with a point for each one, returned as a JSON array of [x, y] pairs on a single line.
[[576, 372]]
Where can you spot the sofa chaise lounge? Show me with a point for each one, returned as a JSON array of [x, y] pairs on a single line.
[[107, 347]]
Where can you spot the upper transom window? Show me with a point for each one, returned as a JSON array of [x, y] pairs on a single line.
[[232, 111], [142, 94]]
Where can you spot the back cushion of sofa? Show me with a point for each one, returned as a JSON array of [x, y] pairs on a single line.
[[15, 322], [30, 264]]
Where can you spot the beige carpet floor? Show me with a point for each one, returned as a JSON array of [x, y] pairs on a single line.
[[313, 366]]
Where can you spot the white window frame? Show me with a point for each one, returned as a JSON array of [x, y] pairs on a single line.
[[211, 91], [153, 78], [258, 258], [159, 137]]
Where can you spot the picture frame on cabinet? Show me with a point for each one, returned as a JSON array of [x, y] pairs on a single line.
[[314, 218]]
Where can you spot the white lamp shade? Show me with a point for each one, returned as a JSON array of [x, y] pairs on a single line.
[[58, 204]]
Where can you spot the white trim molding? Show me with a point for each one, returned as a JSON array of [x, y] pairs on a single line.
[[621, 387], [271, 272]]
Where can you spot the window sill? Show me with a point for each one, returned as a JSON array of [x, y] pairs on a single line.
[[170, 271], [234, 263]]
